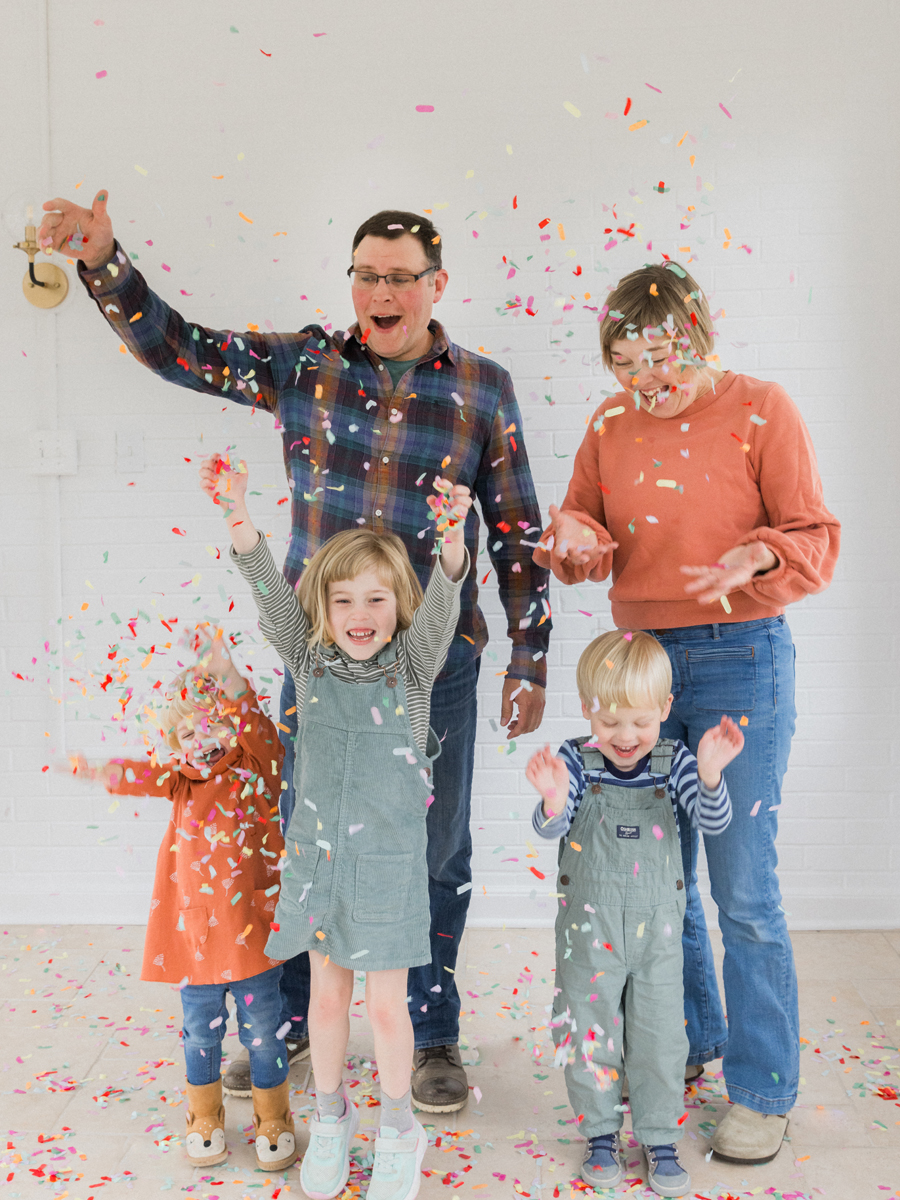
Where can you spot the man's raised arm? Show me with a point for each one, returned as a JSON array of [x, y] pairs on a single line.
[[249, 368]]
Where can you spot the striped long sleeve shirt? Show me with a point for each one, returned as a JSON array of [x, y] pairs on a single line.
[[709, 811], [360, 451], [421, 649]]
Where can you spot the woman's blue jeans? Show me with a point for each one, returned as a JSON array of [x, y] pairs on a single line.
[[434, 998], [258, 1002], [742, 670]]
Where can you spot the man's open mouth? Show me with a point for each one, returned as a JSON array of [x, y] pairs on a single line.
[[386, 322]]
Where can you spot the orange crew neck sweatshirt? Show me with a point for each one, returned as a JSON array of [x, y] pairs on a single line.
[[736, 466]]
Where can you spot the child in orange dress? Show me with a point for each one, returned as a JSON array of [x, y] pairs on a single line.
[[214, 896]]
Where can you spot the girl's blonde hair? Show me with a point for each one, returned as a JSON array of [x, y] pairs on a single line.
[[347, 555], [626, 669], [675, 307], [187, 697]]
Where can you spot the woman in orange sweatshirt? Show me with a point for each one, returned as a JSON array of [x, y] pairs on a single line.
[[698, 490]]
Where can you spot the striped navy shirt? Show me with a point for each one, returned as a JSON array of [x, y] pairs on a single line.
[[709, 811], [421, 649]]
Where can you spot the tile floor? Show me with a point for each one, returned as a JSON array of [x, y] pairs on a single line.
[[91, 1083]]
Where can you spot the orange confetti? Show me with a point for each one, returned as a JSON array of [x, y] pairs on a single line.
[[744, 721], [249, 222], [137, 316]]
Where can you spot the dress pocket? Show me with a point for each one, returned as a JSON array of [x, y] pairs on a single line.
[[194, 924], [382, 885], [723, 678], [297, 877]]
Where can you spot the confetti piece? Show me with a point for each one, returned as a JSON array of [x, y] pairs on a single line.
[[244, 217], [657, 833], [376, 715], [745, 721], [140, 169], [723, 600], [725, 110], [653, 520], [755, 809], [101, 75], [570, 108], [666, 483], [636, 125], [355, 829], [424, 108]]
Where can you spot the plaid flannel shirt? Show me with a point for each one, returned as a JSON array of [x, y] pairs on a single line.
[[357, 451]]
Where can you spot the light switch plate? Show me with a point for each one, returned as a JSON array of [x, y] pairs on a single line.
[[54, 452]]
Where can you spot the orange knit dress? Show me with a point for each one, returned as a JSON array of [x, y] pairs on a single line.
[[217, 871]]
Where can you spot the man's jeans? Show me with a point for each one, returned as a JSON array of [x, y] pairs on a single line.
[[258, 1004], [434, 1004], [742, 670]]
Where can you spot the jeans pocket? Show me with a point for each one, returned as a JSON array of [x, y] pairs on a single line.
[[382, 884], [723, 678]]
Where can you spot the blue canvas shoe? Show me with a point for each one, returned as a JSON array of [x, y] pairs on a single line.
[[602, 1167], [667, 1176]]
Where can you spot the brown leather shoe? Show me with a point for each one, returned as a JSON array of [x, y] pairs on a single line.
[[439, 1082], [236, 1081]]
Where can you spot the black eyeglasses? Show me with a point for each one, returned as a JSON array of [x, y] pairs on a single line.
[[398, 280]]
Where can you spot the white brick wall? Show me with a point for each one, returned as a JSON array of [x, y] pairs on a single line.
[[311, 141]]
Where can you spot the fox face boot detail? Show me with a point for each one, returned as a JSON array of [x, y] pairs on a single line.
[[276, 1146], [204, 1138]]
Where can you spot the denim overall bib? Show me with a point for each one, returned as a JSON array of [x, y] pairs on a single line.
[[355, 881], [618, 955]]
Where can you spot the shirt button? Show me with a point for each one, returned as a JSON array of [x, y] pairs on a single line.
[[596, 789], [679, 886], [564, 880], [377, 512], [660, 793], [385, 459]]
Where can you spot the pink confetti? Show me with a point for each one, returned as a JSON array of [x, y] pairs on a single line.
[[424, 108], [657, 833], [636, 868], [376, 715], [476, 1092], [248, 999], [318, 35], [628, 636], [725, 110], [755, 809], [100, 75], [652, 88], [165, 267]]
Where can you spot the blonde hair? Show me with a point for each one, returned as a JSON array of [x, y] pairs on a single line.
[[186, 698], [678, 309], [625, 668], [347, 555]]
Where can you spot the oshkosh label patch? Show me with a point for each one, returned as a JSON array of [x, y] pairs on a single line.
[[628, 831]]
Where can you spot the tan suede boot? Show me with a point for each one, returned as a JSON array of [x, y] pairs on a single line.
[[748, 1137], [276, 1147], [204, 1138]]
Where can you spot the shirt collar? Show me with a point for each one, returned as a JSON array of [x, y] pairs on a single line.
[[441, 347]]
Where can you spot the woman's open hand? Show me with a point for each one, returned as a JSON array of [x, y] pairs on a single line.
[[734, 568], [575, 542]]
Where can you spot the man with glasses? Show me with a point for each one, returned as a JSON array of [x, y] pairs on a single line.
[[369, 416]]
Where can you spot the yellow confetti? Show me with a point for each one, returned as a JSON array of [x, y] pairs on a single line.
[[669, 483], [640, 929], [724, 602], [570, 108], [140, 169]]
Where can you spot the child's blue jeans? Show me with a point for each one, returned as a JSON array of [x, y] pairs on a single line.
[[258, 1002]]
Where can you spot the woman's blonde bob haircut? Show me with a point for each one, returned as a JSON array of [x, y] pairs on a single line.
[[625, 669], [347, 555], [678, 310]]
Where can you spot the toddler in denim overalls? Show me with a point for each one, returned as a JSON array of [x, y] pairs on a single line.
[[612, 798]]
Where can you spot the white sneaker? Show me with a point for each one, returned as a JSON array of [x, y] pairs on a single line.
[[396, 1174], [326, 1164]]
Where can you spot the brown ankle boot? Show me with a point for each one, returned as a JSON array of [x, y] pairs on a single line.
[[275, 1144], [204, 1138]]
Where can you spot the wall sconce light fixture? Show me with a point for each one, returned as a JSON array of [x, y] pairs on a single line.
[[45, 285]]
